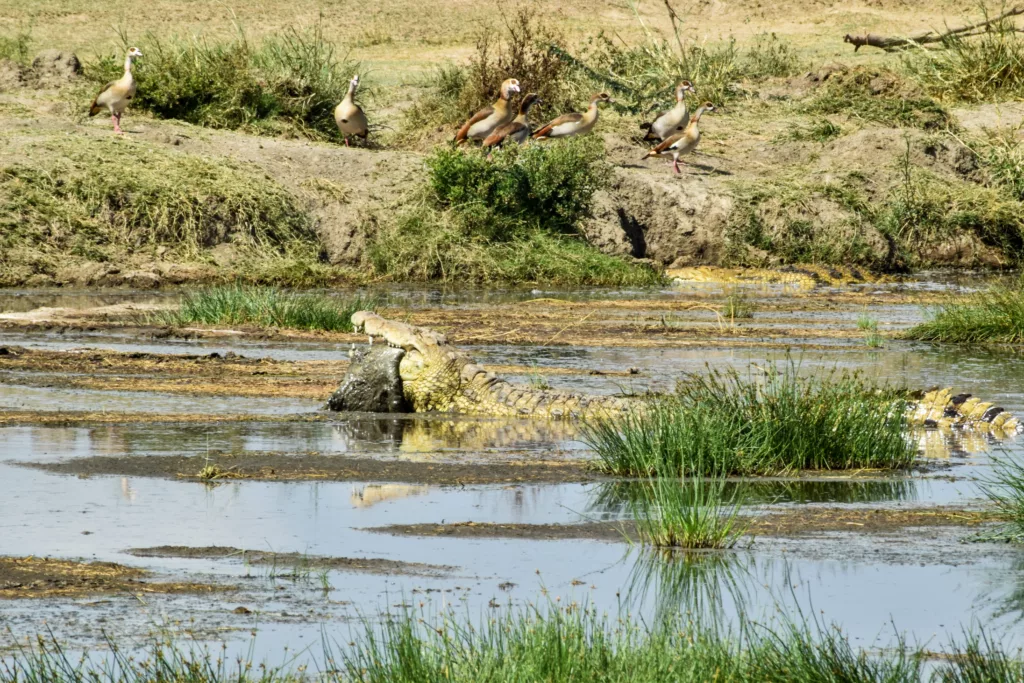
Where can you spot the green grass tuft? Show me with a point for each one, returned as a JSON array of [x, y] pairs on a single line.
[[17, 46], [738, 305], [291, 82], [773, 423], [878, 96], [689, 513], [1004, 488], [994, 316], [267, 307]]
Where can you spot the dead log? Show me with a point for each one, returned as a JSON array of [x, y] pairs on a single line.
[[890, 43]]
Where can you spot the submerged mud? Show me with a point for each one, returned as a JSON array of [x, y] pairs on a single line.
[[294, 561], [292, 467], [37, 577], [805, 521]]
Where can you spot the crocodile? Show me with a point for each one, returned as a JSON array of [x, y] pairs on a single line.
[[417, 370]]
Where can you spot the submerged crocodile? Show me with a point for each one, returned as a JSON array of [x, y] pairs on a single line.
[[419, 371]]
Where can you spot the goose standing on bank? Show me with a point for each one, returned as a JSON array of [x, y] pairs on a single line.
[[518, 130], [349, 116], [573, 124], [674, 120], [115, 96], [483, 123], [682, 143]]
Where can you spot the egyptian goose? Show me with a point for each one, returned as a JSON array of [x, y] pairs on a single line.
[[518, 130], [682, 143], [349, 116], [483, 123], [674, 120], [573, 124], [115, 96]]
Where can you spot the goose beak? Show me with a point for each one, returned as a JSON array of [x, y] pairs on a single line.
[[513, 87]]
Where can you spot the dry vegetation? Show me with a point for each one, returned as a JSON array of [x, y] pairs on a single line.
[[817, 155]]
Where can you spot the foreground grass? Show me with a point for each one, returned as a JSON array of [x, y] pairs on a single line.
[[727, 423], [686, 513], [995, 315], [267, 307], [1004, 488], [558, 646]]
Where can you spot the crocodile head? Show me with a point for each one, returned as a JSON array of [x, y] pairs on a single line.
[[431, 371]]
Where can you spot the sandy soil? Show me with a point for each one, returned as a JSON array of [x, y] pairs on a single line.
[[294, 561]]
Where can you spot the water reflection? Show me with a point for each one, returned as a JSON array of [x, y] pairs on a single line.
[[612, 500], [358, 435], [704, 587]]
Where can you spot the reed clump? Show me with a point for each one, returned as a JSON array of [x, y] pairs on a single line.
[[994, 316], [268, 307], [689, 512], [768, 421]]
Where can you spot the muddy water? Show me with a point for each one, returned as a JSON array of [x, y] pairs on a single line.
[[925, 581]]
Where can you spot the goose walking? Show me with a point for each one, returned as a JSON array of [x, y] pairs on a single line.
[[682, 143], [573, 124], [673, 121], [115, 96], [349, 116], [518, 130], [483, 123]]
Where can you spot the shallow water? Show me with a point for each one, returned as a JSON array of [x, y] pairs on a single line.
[[925, 581]]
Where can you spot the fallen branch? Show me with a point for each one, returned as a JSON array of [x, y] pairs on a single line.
[[890, 43]]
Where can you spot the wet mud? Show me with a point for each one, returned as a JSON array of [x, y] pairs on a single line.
[[805, 521], [295, 561], [293, 467], [36, 577]]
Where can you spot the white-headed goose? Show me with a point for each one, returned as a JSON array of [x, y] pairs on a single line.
[[682, 143], [674, 120], [349, 116], [115, 96], [573, 124], [483, 123], [517, 130]]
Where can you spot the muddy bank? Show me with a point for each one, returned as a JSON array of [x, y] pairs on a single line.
[[295, 562], [805, 521], [296, 467], [37, 577], [83, 417]]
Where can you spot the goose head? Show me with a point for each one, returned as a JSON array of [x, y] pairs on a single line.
[[528, 101], [134, 53], [508, 87], [353, 84], [601, 97], [684, 88]]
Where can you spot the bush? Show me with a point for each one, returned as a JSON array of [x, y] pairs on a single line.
[[724, 423], [291, 82], [513, 218], [548, 187], [527, 49], [16, 47]]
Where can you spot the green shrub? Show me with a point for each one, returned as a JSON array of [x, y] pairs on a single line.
[[725, 423], [289, 82], [524, 47], [547, 187], [511, 218], [995, 315], [267, 307]]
